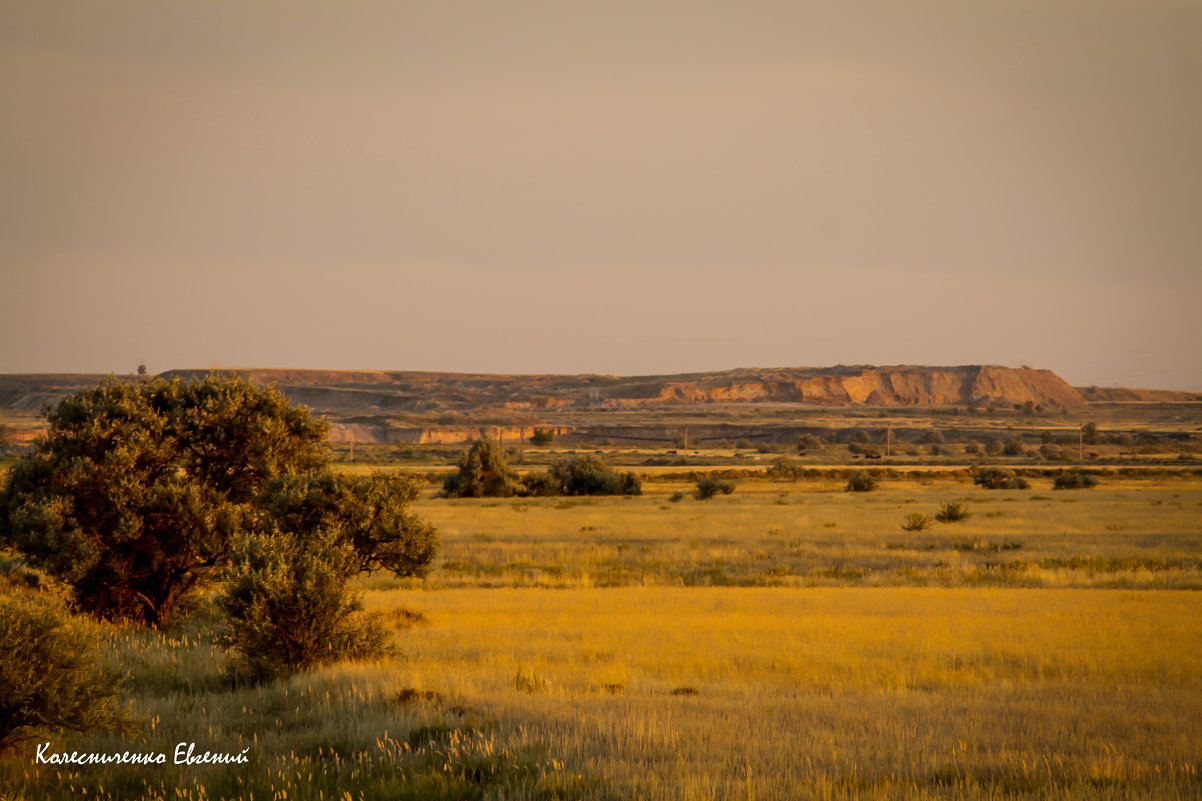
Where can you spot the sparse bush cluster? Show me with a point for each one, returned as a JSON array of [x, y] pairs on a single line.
[[1074, 479], [483, 473], [948, 513], [999, 478]]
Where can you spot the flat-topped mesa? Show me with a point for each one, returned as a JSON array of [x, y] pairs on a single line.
[[902, 385], [865, 386]]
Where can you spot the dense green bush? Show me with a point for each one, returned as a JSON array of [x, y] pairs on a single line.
[[371, 514], [1074, 479], [542, 436], [289, 607], [862, 481], [51, 676], [710, 486], [588, 475], [1013, 447], [999, 478], [482, 473], [540, 483]]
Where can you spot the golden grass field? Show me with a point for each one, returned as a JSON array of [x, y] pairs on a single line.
[[787, 641]]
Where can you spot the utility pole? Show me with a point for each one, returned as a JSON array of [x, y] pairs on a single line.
[[888, 439]]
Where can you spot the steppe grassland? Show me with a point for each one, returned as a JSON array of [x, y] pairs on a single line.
[[785, 693], [508, 689], [682, 693], [1136, 532]]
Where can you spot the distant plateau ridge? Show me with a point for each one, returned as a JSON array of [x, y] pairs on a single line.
[[391, 392]]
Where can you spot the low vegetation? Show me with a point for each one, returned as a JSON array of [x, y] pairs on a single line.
[[1000, 478], [710, 486], [484, 473], [862, 481], [52, 677], [1074, 479], [952, 513], [917, 521]]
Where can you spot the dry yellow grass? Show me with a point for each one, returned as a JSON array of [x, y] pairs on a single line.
[[806, 692], [1128, 532], [656, 690]]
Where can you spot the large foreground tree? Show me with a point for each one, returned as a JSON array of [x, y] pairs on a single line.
[[139, 490]]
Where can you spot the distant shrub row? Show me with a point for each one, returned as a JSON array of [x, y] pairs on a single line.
[[483, 473]]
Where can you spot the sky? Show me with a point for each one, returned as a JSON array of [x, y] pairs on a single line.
[[621, 187]]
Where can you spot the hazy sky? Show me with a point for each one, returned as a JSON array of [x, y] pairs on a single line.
[[616, 187]]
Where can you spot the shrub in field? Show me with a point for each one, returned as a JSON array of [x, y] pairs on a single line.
[[710, 486], [999, 478], [542, 436], [808, 441], [861, 481], [588, 475], [1013, 447], [371, 513], [50, 675], [137, 490], [917, 521], [952, 513], [289, 607], [482, 473], [1074, 479]]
